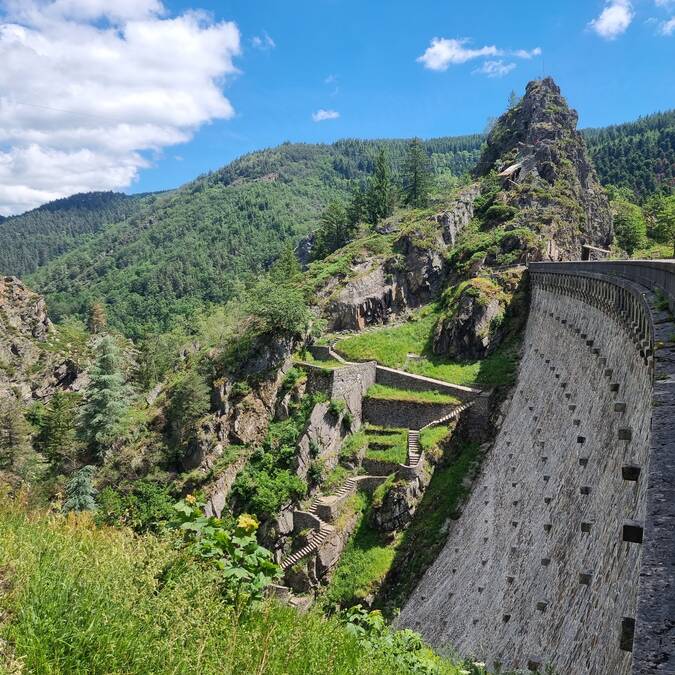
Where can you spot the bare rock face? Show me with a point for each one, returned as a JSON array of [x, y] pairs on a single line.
[[546, 174], [29, 369], [399, 504], [379, 291], [474, 324]]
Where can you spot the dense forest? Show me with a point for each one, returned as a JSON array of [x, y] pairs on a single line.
[[157, 258], [34, 238], [637, 156]]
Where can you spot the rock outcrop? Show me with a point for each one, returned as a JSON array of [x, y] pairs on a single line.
[[379, 290], [30, 366], [546, 175]]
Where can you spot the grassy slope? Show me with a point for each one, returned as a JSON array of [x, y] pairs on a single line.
[[76, 599], [384, 393], [363, 565], [391, 345]]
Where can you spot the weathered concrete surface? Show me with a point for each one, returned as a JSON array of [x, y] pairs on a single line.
[[537, 569]]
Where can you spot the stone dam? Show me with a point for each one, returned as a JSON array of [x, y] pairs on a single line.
[[564, 554]]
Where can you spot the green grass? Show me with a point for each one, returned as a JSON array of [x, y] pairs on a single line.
[[382, 392], [391, 345], [430, 438], [328, 364], [82, 600], [362, 567], [387, 445]]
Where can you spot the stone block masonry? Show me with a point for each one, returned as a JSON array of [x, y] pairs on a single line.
[[570, 528], [405, 414]]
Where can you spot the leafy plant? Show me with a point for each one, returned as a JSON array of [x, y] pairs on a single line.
[[245, 567]]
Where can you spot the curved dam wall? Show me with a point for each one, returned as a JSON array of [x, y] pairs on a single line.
[[565, 551]]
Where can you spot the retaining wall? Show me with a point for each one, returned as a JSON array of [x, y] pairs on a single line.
[[404, 414], [401, 380], [564, 552]]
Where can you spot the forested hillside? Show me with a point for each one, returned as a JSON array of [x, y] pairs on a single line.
[[192, 246], [34, 238], [638, 155], [157, 258]]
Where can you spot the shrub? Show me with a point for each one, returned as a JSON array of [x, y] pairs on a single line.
[[147, 507], [246, 568]]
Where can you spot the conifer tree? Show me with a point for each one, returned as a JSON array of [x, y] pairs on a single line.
[[381, 194], [57, 433], [416, 175], [105, 399], [335, 230], [98, 318], [80, 492], [15, 435], [356, 209]]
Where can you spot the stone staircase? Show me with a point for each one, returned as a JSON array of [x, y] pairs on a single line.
[[413, 447], [348, 487], [313, 545], [414, 451]]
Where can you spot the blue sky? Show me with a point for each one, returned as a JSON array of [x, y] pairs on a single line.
[[359, 58], [178, 92]]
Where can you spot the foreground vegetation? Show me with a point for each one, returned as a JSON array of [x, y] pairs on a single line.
[[75, 598]]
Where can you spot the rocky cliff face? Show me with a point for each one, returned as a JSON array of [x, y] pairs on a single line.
[[545, 173], [379, 290], [30, 368]]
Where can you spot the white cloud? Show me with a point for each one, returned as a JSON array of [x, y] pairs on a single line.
[[495, 68], [322, 115], [668, 27], [442, 52], [524, 54], [89, 87], [614, 19], [263, 42]]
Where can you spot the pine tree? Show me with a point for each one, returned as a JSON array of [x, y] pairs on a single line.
[[15, 435], [334, 232], [287, 267], [57, 429], [416, 175], [189, 402], [80, 492], [98, 318], [381, 194], [356, 209], [105, 399]]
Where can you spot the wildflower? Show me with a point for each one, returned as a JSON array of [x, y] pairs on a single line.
[[479, 664], [464, 672], [247, 523], [191, 500]]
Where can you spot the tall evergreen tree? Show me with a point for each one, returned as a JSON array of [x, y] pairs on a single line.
[[105, 399], [15, 436], [416, 175], [381, 194], [80, 492], [335, 230], [189, 402], [56, 439], [98, 318], [356, 209]]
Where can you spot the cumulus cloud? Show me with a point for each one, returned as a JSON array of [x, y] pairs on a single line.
[[263, 42], [495, 68], [322, 115], [668, 27], [614, 19], [443, 52], [89, 87]]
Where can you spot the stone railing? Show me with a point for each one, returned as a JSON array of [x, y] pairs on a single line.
[[640, 296]]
